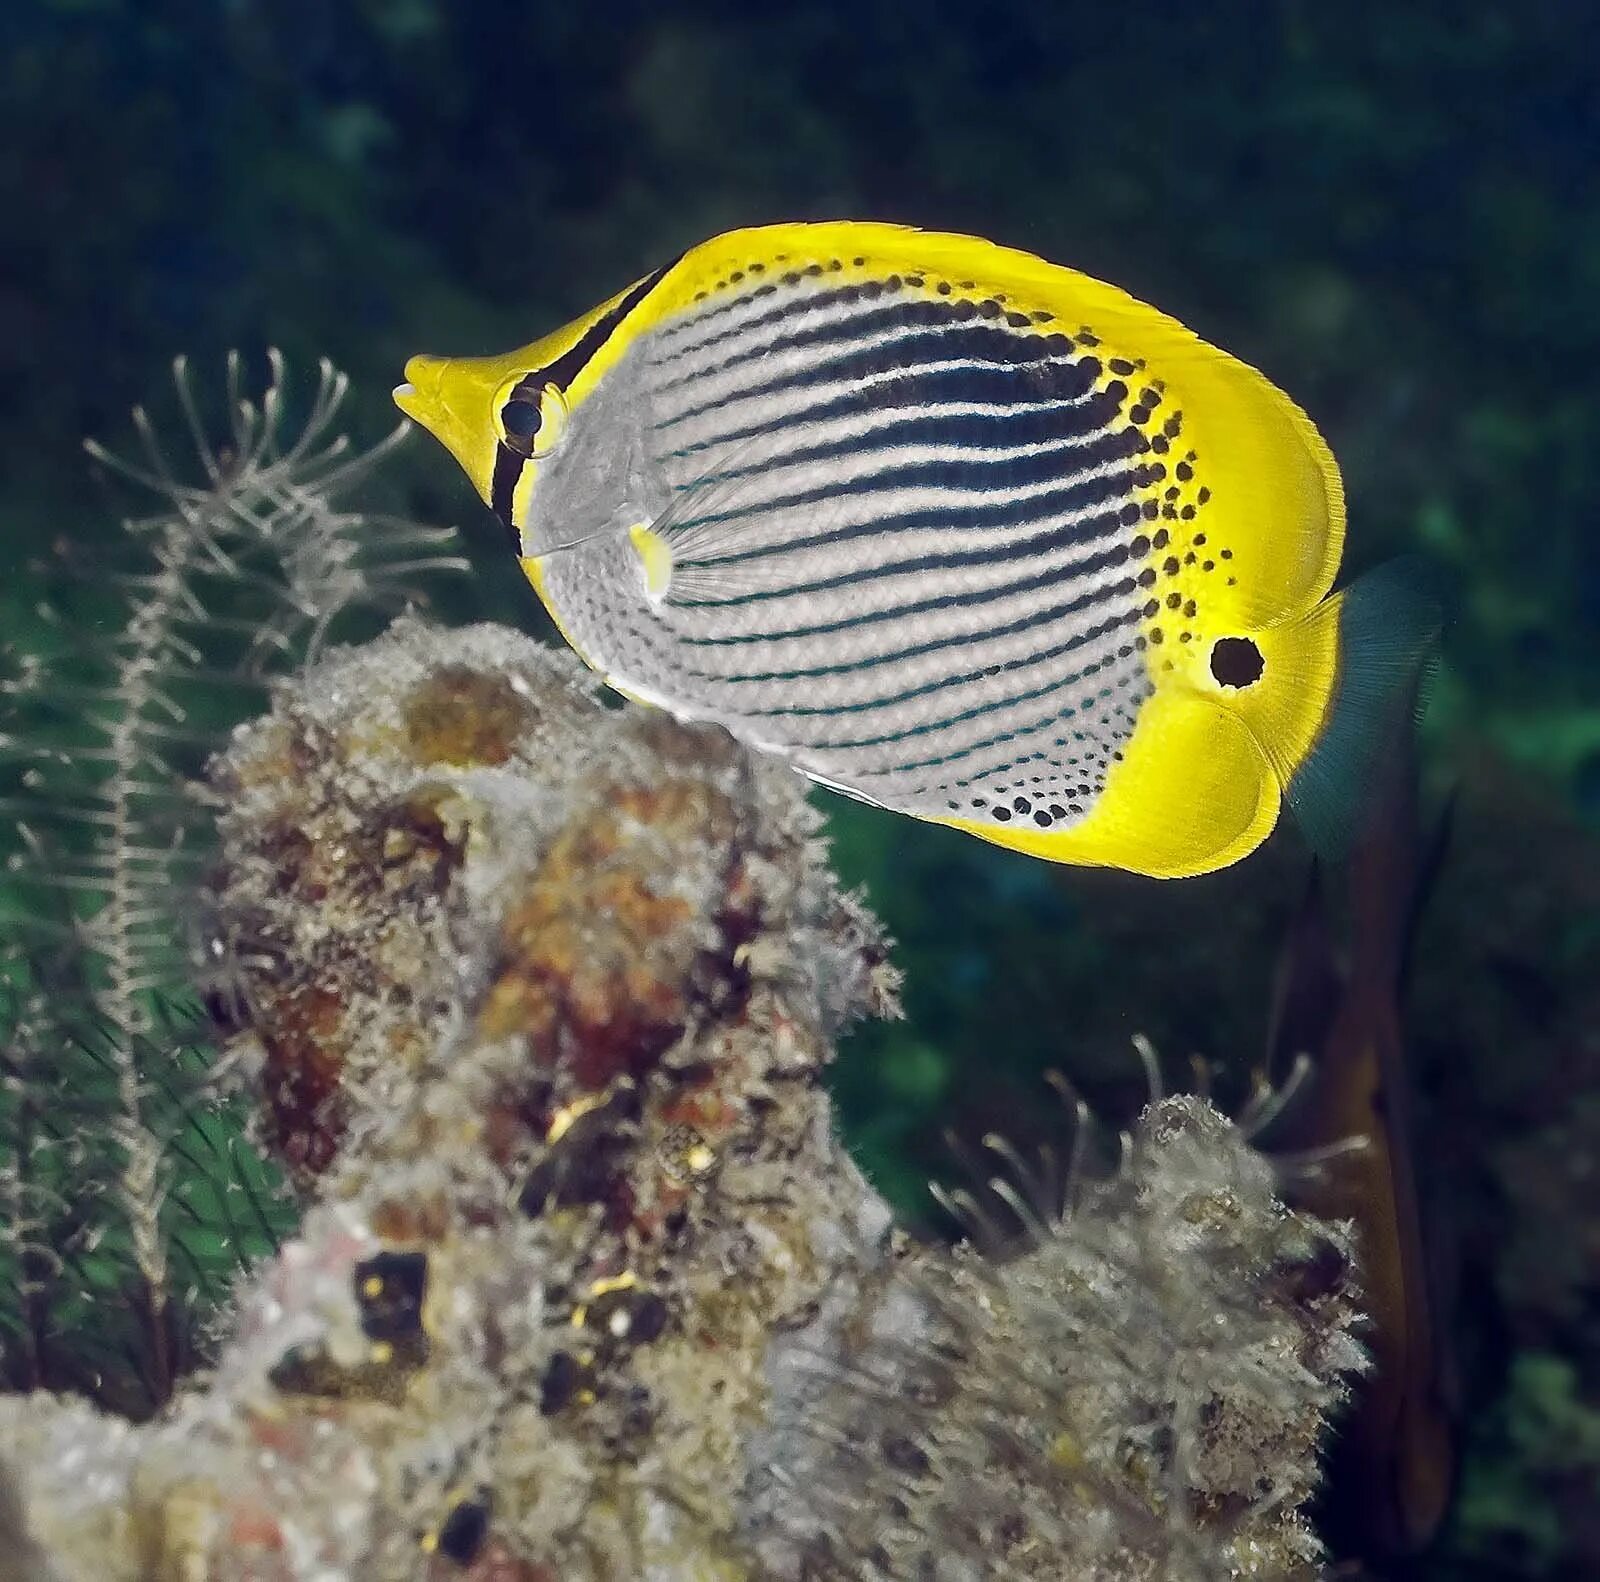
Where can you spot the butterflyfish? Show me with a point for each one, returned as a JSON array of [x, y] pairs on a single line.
[[951, 529]]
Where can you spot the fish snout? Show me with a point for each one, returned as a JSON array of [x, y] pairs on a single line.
[[453, 398]]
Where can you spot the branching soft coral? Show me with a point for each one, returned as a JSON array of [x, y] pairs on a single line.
[[246, 559]]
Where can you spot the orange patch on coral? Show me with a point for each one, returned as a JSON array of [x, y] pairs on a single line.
[[593, 970], [461, 716], [422, 1219], [302, 1033]]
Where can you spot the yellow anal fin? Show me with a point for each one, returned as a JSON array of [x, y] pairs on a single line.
[[1192, 793]]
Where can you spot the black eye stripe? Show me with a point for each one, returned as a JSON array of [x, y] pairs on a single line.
[[570, 363], [508, 465]]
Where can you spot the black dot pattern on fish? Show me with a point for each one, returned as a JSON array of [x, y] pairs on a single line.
[[1068, 779], [1177, 550]]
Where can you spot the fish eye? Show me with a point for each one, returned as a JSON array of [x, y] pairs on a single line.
[[521, 421], [1236, 662]]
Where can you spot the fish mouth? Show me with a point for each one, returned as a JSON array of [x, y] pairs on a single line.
[[407, 398], [418, 397]]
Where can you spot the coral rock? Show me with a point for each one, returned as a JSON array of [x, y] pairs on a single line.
[[538, 997]]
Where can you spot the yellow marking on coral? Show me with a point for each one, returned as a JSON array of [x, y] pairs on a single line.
[[700, 1159], [561, 1122], [382, 1352], [1064, 1452], [429, 1542], [621, 1282], [372, 1286]]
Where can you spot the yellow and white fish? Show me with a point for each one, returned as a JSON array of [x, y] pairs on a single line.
[[951, 529]]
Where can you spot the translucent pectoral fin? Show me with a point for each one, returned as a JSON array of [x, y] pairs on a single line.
[[655, 557]]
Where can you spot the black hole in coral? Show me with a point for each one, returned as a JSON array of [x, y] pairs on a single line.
[[465, 1528], [390, 1289], [564, 1376], [1236, 662]]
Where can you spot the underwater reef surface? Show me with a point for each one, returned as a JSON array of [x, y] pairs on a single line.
[[534, 999]]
